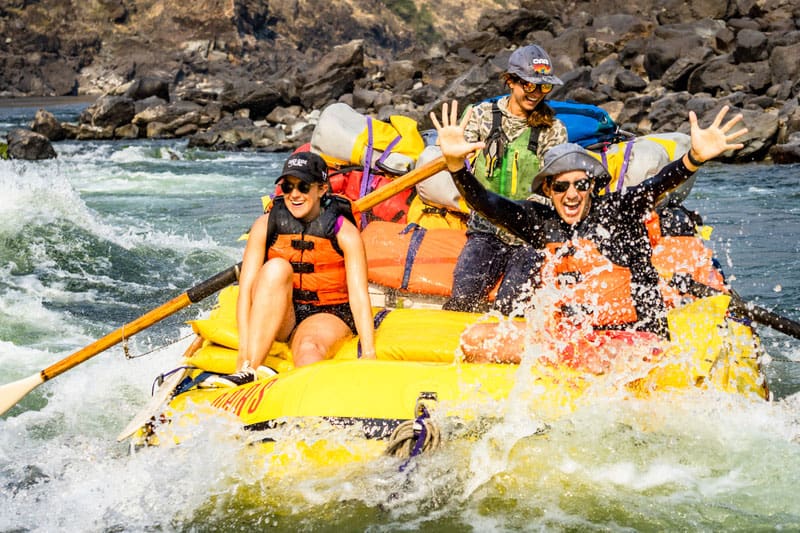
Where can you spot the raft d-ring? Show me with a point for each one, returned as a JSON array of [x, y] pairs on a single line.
[[425, 402]]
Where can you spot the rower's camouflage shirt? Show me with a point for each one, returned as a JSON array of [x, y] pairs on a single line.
[[478, 129]]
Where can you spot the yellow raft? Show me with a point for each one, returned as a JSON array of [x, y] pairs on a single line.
[[418, 375]]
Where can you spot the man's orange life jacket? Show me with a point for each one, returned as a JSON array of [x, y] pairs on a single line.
[[599, 290]]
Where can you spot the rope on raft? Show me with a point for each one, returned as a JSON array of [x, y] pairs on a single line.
[[413, 437]]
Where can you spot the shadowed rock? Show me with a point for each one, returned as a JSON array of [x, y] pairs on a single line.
[[29, 145]]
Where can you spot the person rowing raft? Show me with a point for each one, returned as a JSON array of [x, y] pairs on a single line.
[[304, 275]]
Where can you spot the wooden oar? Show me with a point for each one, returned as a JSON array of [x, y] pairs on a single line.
[[12, 393], [686, 284]]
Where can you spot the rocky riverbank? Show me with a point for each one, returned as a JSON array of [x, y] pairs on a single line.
[[647, 64]]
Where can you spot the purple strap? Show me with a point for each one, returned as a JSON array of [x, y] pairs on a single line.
[[389, 148], [366, 174], [414, 244], [338, 224], [384, 155], [420, 437], [623, 170], [377, 320]]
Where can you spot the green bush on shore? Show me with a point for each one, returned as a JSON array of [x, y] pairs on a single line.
[[421, 20]]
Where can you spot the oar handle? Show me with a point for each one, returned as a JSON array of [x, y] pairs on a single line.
[[213, 284], [686, 284]]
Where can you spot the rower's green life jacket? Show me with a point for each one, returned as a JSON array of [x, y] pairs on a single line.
[[504, 167]]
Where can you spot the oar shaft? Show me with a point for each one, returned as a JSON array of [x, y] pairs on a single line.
[[766, 317], [193, 295], [116, 336], [403, 182]]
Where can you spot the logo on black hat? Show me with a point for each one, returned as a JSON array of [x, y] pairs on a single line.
[[297, 162]]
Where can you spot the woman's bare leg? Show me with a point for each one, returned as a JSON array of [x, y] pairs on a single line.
[[316, 338]]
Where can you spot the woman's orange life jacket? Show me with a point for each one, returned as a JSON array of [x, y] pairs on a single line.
[[319, 277], [598, 290]]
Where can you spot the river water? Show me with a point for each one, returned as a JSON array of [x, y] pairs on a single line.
[[110, 230]]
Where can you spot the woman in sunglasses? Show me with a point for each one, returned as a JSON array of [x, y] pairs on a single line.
[[517, 129], [596, 248], [304, 275]]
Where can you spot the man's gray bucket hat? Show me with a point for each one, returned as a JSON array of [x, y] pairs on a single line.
[[570, 156]]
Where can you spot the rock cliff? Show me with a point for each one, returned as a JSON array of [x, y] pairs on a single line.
[[63, 47], [248, 73]]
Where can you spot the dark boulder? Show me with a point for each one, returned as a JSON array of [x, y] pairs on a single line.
[[60, 78], [786, 153], [751, 45], [514, 24], [109, 111], [334, 75], [784, 63], [720, 76], [258, 97], [146, 103], [676, 77], [164, 113], [144, 88], [239, 133], [29, 145], [627, 81]]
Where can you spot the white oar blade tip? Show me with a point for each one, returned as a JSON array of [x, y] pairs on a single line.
[[12, 393]]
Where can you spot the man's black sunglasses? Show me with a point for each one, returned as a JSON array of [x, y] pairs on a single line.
[[302, 186], [581, 185]]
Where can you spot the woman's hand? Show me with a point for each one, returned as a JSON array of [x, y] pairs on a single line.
[[710, 142], [451, 136]]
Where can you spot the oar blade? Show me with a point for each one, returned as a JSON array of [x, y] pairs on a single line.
[[12, 393]]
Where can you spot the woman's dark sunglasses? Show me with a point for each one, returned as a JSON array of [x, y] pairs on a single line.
[[581, 185], [302, 186]]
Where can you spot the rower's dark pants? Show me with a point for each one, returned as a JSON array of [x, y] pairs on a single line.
[[482, 262]]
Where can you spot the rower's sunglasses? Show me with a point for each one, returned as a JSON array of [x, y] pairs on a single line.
[[301, 186], [581, 185], [529, 87]]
